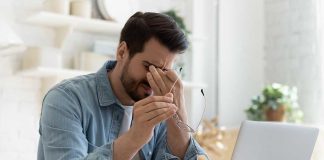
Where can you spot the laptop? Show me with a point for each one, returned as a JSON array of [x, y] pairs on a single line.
[[274, 141]]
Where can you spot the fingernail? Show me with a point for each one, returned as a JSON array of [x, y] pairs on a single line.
[[169, 95], [151, 67]]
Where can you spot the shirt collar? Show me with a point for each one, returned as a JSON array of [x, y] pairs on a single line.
[[105, 93]]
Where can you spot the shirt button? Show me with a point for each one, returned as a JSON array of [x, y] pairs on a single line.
[[149, 153]]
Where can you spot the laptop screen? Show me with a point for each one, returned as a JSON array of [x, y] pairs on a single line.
[[274, 141]]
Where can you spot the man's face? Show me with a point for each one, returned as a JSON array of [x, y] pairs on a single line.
[[134, 71]]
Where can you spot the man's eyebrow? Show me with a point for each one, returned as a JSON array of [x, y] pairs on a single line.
[[161, 67], [152, 64]]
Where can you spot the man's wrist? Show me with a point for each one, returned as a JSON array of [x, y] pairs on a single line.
[[137, 142], [175, 131], [125, 150], [177, 141]]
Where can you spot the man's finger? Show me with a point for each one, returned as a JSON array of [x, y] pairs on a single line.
[[153, 106], [158, 119], [150, 99], [157, 105], [171, 75], [174, 78], [153, 85], [168, 83], [157, 112], [158, 79]]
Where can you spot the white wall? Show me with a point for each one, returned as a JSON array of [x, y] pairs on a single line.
[[293, 54], [19, 97], [241, 64], [321, 50], [19, 112], [262, 42]]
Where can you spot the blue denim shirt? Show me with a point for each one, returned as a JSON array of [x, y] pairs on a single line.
[[81, 118]]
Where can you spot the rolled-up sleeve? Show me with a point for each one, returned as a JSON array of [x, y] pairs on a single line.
[[164, 153], [61, 132]]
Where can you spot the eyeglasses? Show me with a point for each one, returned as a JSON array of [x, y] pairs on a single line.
[[186, 127], [193, 127]]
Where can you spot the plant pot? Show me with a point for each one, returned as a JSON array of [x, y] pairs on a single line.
[[275, 114]]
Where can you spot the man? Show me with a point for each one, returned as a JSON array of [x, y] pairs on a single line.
[[124, 111]]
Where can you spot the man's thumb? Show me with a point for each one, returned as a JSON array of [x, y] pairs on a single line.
[[169, 95]]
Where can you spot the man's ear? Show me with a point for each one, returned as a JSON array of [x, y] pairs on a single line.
[[122, 51]]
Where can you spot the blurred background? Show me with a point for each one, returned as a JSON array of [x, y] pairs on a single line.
[[255, 59]]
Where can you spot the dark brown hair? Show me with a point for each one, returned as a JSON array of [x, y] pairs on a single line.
[[141, 27]]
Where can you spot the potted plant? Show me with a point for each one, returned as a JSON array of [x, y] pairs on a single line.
[[178, 19], [277, 102]]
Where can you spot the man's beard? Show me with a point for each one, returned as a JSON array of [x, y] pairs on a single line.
[[131, 85]]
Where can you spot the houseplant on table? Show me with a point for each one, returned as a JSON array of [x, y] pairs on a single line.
[[277, 102]]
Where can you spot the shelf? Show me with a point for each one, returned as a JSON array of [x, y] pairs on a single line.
[[66, 24], [43, 72], [78, 23], [17, 49]]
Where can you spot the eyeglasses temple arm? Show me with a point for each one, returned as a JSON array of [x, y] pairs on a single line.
[[175, 81]]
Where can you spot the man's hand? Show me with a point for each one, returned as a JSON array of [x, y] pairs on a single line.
[[148, 113], [166, 82], [162, 83]]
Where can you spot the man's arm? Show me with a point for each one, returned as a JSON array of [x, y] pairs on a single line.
[[179, 142], [162, 147], [62, 135], [61, 132]]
